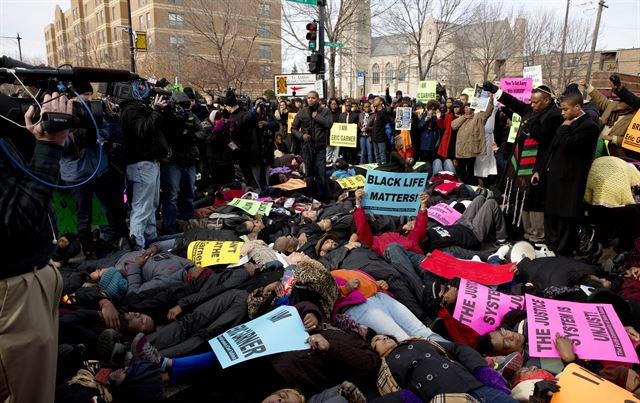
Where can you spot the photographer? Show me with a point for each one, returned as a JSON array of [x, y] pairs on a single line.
[[267, 128], [178, 179], [145, 146], [30, 287], [244, 140]]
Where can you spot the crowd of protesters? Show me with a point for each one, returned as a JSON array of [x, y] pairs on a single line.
[[132, 315]]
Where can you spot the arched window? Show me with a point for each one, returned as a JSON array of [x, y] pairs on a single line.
[[388, 73], [375, 74], [402, 73]]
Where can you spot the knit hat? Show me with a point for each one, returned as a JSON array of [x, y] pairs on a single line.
[[114, 283], [230, 99], [180, 97], [189, 92]]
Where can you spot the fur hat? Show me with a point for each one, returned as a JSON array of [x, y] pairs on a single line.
[[312, 275]]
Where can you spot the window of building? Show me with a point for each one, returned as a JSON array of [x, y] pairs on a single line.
[[141, 22], [375, 74], [85, 9], [175, 1], [388, 73], [265, 51], [264, 31], [142, 3], [113, 13], [264, 10], [176, 20], [402, 73], [148, 20], [177, 41], [265, 71], [97, 2]]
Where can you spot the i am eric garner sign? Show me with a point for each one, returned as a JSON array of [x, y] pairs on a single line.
[[344, 135], [426, 91]]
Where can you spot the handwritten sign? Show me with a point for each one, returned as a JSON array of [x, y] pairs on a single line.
[[278, 331], [390, 193], [632, 137], [595, 330], [252, 207], [447, 266], [211, 253], [426, 91], [535, 73], [482, 308], [353, 182], [520, 88], [344, 135], [444, 214]]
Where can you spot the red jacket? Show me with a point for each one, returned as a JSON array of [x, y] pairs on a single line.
[[445, 124], [379, 243]]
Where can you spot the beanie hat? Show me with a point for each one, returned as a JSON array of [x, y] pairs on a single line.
[[230, 99], [114, 283], [179, 97], [189, 92]]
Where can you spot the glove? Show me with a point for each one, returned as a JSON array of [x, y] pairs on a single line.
[[489, 86], [542, 388], [492, 379]]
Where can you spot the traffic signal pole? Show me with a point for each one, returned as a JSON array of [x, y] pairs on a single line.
[[321, 20]]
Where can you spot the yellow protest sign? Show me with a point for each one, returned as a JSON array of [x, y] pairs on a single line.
[[579, 385], [252, 207], [292, 184], [344, 135], [632, 137], [211, 253], [426, 91], [290, 118], [515, 126], [353, 182]]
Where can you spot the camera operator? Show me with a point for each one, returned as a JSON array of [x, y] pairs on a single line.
[[145, 145], [30, 287], [79, 161], [179, 168], [267, 128], [244, 140]]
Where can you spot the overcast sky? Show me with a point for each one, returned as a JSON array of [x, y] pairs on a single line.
[[619, 28]]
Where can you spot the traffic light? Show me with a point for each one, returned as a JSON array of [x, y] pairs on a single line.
[[316, 63], [312, 34]]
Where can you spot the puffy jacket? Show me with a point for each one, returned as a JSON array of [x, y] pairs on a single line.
[[379, 243], [470, 141], [245, 136], [159, 271], [144, 132], [318, 126], [182, 139]]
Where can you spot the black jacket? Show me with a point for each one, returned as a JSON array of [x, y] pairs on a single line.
[[26, 234], [628, 98], [565, 166], [318, 127], [144, 132], [556, 271], [181, 137], [243, 133], [380, 120], [349, 117]]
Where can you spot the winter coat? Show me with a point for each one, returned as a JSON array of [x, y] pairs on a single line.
[[159, 271], [554, 271], [378, 126], [566, 167], [444, 123], [181, 138], [607, 107], [245, 136], [318, 127], [470, 141], [429, 132], [362, 129], [379, 243], [144, 132]]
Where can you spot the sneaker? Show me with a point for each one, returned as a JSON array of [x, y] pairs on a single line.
[[500, 243], [143, 350]]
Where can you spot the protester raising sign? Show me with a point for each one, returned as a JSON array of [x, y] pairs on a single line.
[[535, 73], [352, 182], [482, 308], [390, 193], [632, 137], [275, 332], [444, 214], [344, 135], [595, 329], [520, 88], [211, 253], [480, 99], [447, 266], [426, 91], [252, 207]]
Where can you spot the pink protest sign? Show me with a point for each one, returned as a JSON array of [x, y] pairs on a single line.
[[444, 214], [595, 329], [518, 87], [482, 308]]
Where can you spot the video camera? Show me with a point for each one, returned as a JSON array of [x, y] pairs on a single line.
[[49, 80], [135, 90]]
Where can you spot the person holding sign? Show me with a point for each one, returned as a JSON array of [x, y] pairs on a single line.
[[470, 140], [364, 126]]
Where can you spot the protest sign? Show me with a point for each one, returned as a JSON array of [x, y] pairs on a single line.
[[484, 273], [290, 118], [66, 213], [374, 165], [595, 330], [403, 118], [480, 99], [535, 73], [344, 135], [632, 137], [211, 253], [578, 384], [252, 207], [353, 182], [391, 193], [275, 332], [292, 184], [426, 91], [482, 308], [516, 120], [444, 214], [520, 88]]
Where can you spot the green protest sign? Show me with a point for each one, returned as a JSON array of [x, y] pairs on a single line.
[[252, 207], [426, 91]]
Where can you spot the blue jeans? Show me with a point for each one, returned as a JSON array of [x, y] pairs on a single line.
[[437, 166], [381, 152], [144, 176], [366, 150], [178, 184], [387, 316], [491, 395]]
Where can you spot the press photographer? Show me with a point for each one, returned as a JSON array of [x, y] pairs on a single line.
[[267, 128]]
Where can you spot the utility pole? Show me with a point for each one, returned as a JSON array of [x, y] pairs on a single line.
[[131, 48], [19, 45], [594, 39], [564, 43]]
